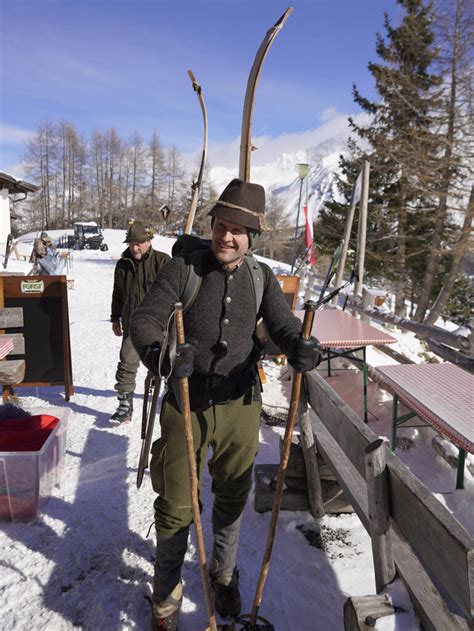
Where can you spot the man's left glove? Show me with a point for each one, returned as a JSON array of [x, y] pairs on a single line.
[[305, 354]]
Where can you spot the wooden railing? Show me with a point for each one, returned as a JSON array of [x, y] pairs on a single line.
[[413, 535]]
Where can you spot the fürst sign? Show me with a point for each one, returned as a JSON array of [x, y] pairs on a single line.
[[32, 287]]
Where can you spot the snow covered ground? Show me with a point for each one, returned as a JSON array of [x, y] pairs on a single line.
[[87, 561]]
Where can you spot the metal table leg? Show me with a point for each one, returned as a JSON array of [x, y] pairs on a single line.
[[460, 472]]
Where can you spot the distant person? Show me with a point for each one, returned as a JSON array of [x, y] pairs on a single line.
[[46, 260], [134, 274]]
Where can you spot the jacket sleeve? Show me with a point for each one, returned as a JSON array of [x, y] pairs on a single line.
[[117, 293], [149, 321], [284, 327]]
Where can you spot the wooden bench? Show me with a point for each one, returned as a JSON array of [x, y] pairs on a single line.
[[12, 371]]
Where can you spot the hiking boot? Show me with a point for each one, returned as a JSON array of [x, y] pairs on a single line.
[[165, 614], [125, 408], [227, 596], [168, 623]]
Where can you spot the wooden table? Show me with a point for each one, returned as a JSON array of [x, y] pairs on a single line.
[[342, 335], [442, 395]]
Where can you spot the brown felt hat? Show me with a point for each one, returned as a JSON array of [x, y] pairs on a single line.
[[138, 233], [242, 203]]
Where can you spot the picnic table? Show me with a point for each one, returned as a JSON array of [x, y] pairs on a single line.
[[442, 395], [343, 335]]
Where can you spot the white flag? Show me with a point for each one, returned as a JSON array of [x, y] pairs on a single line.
[[357, 190]]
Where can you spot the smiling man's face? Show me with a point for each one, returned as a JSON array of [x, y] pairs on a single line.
[[230, 242]]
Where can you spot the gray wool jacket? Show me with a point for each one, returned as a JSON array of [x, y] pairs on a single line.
[[221, 321]]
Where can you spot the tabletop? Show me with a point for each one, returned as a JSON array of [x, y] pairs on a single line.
[[6, 345], [338, 329], [442, 394]]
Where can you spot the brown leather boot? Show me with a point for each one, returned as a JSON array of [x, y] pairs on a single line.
[[165, 614]]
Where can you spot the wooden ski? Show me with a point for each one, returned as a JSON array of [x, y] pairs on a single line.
[[196, 186], [246, 133]]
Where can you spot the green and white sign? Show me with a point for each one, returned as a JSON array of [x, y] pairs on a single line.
[[32, 286]]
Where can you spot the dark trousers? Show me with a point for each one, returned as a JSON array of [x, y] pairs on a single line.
[[127, 367]]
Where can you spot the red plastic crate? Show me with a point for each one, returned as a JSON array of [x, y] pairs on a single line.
[[31, 460]]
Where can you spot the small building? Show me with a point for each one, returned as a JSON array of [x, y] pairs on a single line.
[[10, 185]]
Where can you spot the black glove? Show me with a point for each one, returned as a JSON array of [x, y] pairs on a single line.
[[183, 363], [305, 354], [184, 360]]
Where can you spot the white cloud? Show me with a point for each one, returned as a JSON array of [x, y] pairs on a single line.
[[14, 135], [334, 127]]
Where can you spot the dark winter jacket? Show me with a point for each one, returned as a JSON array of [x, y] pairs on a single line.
[[220, 324], [132, 280]]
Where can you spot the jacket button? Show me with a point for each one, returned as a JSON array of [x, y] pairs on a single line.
[[225, 321], [228, 299], [224, 344], [231, 277]]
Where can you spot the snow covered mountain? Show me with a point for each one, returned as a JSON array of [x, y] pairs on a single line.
[[280, 175]]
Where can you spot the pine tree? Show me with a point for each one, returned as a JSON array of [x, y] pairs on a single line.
[[402, 145]]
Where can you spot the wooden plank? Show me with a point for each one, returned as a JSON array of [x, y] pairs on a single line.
[[18, 343], [362, 612], [345, 426], [428, 603], [11, 317], [315, 494], [346, 475], [379, 514], [12, 371], [444, 546], [294, 499]]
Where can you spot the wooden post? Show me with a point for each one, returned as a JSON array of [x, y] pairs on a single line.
[[367, 303], [310, 455], [362, 230], [379, 514], [345, 247]]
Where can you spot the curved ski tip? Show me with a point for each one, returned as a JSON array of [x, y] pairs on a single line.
[[281, 21], [191, 75]]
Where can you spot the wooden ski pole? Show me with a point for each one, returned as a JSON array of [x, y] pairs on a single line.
[[309, 307], [193, 481]]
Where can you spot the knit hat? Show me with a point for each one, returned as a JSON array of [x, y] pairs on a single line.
[[138, 233], [242, 203]]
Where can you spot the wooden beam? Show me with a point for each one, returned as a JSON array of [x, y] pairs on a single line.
[[11, 317], [12, 371], [428, 603], [379, 514], [18, 343]]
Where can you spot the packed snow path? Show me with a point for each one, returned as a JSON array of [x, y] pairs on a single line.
[[86, 562]]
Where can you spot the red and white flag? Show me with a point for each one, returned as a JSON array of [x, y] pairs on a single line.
[[309, 236]]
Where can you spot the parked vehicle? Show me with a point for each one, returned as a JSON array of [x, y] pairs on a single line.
[[88, 235]]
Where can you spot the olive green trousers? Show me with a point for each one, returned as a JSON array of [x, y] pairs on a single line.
[[231, 430], [127, 367]]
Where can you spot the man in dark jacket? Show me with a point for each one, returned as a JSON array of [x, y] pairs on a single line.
[[220, 358], [134, 274]]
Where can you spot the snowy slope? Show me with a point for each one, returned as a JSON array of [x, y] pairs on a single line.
[[87, 561]]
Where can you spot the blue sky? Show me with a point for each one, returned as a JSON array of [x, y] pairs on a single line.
[[123, 64]]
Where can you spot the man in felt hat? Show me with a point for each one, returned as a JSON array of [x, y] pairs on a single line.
[[134, 274], [220, 359]]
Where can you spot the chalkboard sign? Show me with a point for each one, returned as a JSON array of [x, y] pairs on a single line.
[[45, 328], [289, 285]]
